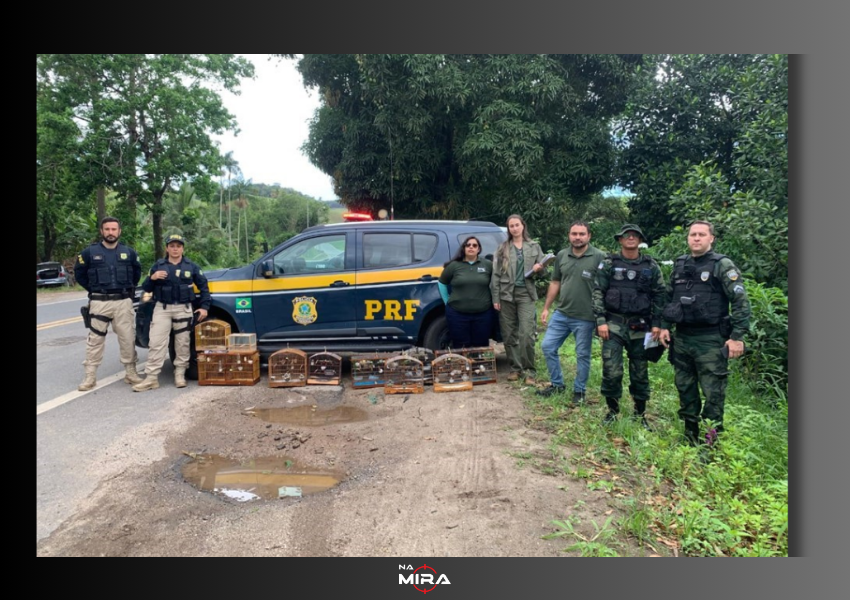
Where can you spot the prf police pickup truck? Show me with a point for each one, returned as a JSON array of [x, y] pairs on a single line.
[[347, 287]]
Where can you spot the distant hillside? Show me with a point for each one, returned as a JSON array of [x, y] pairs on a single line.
[[333, 204]]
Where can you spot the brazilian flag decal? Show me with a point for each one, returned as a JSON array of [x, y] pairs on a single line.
[[243, 304]]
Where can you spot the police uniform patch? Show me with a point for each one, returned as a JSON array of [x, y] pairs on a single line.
[[123, 256], [738, 289], [304, 310], [631, 274], [80, 259], [733, 275], [618, 273], [602, 265], [704, 275]]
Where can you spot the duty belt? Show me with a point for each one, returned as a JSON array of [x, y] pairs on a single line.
[[621, 319], [105, 297], [697, 329]]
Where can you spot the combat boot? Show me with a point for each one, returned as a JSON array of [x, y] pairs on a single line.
[[131, 376], [90, 381], [151, 382], [692, 432], [180, 378]]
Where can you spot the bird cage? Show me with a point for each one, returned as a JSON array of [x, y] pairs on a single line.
[[427, 357], [483, 364], [212, 367], [246, 342], [404, 375], [212, 335], [228, 368], [452, 373], [288, 368], [367, 370], [324, 368], [243, 368]]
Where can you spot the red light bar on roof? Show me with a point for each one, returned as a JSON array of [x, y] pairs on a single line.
[[357, 217]]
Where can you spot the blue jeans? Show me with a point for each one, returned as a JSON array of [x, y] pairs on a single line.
[[559, 329]]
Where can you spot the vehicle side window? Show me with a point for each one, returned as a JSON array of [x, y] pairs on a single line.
[[386, 250], [489, 242], [424, 246], [322, 254]]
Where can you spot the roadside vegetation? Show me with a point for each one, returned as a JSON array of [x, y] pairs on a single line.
[[669, 502]]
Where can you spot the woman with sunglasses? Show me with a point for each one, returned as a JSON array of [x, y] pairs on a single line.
[[469, 306], [514, 295]]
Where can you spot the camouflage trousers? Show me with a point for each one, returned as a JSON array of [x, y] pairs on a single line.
[[622, 338], [699, 364]]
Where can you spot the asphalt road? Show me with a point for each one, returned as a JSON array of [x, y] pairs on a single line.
[[74, 428]]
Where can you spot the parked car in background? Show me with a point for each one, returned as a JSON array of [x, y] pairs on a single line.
[[49, 274]]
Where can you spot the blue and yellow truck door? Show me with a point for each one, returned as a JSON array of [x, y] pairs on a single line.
[[307, 298], [397, 274]]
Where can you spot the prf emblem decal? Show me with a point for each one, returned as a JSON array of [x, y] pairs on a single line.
[[304, 310], [704, 275]]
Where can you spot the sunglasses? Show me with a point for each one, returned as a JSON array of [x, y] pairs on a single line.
[[471, 245], [630, 234]]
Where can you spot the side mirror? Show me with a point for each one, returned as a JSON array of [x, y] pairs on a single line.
[[267, 268]]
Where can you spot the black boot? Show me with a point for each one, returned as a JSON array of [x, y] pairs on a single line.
[[613, 410], [640, 410], [692, 432]]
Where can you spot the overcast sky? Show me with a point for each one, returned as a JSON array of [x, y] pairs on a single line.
[[273, 111]]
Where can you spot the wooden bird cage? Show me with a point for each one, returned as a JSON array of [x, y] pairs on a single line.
[[367, 370], [404, 375], [483, 364], [452, 373], [288, 368], [324, 368], [244, 342], [228, 368], [427, 357], [212, 335]]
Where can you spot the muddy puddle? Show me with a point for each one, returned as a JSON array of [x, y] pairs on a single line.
[[310, 416], [264, 478]]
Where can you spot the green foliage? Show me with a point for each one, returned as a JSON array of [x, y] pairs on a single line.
[[587, 545], [736, 504], [467, 136], [765, 362], [729, 111]]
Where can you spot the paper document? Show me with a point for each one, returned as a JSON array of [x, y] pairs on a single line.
[[544, 261], [648, 342]]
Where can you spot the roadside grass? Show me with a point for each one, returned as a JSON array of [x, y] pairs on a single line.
[[736, 504], [58, 289]]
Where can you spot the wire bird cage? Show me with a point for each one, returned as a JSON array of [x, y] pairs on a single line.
[[367, 370], [288, 368], [324, 368], [212, 335], [228, 368], [404, 375], [244, 342], [482, 361], [427, 357], [452, 373]]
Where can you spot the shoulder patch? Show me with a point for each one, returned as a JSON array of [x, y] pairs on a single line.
[[602, 264], [733, 275], [738, 289]]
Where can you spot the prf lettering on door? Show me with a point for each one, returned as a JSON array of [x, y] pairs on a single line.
[[391, 310]]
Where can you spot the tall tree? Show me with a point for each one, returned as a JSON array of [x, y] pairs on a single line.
[[697, 109], [146, 119], [467, 135]]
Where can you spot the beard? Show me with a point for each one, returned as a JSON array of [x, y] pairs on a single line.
[[578, 244], [110, 238]]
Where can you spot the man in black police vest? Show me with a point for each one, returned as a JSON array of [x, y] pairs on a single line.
[[628, 297], [109, 271], [172, 281], [702, 287]]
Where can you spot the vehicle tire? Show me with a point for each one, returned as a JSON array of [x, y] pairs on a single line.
[[192, 369], [437, 335]]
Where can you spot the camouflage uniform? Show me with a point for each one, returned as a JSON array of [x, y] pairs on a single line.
[[627, 324], [701, 291]]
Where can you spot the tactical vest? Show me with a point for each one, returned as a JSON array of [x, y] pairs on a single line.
[[630, 287], [110, 270], [698, 297], [177, 288]]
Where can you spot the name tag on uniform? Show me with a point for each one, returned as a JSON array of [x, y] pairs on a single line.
[[587, 274], [482, 270]]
